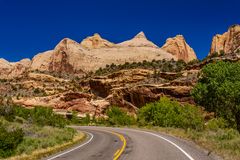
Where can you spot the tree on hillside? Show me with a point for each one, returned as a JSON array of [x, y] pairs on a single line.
[[218, 90]]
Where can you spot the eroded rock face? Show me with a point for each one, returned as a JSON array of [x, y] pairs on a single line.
[[11, 70], [229, 42], [80, 102], [131, 89], [102, 86], [68, 56], [135, 97], [178, 47], [96, 41]]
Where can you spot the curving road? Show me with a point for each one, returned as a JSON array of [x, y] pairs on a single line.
[[105, 143]]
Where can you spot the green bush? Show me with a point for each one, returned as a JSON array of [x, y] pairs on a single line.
[[118, 117], [45, 116], [22, 112], [167, 113], [85, 120], [39, 115], [9, 140], [218, 90]]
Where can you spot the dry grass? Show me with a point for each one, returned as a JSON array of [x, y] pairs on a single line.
[[51, 150]]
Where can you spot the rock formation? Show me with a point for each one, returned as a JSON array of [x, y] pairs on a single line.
[[140, 40], [95, 52], [96, 41], [80, 102], [68, 56], [178, 47], [133, 88], [229, 42], [11, 70]]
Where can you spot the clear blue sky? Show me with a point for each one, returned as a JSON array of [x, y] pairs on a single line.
[[28, 27]]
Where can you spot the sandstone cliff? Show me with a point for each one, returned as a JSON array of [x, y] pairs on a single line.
[[11, 70], [68, 56], [229, 42], [178, 47]]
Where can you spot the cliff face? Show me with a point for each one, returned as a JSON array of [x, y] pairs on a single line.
[[178, 47], [229, 42], [68, 56]]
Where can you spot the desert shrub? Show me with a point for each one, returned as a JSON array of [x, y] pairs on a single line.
[[45, 116], [226, 134], [161, 65], [192, 62], [22, 112], [221, 52], [116, 116], [9, 140], [7, 111], [216, 123], [85, 120], [167, 113]]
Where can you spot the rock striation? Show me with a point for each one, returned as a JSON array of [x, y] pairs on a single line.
[[178, 47], [227, 43]]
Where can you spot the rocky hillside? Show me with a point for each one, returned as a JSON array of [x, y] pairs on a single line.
[[130, 87], [227, 43], [129, 74]]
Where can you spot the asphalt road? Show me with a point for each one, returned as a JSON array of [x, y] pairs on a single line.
[[105, 143]]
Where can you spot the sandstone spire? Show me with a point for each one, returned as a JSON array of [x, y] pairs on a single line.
[[178, 47]]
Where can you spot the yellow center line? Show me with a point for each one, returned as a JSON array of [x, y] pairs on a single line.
[[120, 151], [116, 152]]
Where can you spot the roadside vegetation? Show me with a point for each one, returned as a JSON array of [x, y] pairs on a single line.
[[25, 131], [181, 120]]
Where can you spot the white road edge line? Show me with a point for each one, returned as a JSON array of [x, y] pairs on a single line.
[[190, 157], [91, 135], [174, 144]]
